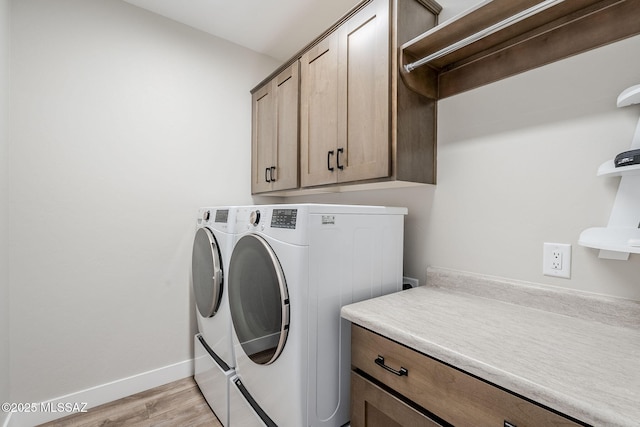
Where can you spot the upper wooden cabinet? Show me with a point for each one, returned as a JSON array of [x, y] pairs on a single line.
[[359, 123], [319, 112], [345, 107], [274, 139]]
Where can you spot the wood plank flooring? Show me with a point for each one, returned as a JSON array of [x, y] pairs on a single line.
[[179, 403]]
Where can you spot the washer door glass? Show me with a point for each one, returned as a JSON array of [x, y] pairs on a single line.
[[206, 272], [258, 299]]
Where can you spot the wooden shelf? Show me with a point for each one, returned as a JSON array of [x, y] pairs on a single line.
[[557, 32]]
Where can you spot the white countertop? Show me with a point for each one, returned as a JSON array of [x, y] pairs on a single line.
[[583, 368]]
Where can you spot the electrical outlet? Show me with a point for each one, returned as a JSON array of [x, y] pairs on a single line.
[[409, 282], [556, 260]]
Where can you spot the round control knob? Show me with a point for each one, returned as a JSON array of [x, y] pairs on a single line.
[[254, 217], [206, 215]]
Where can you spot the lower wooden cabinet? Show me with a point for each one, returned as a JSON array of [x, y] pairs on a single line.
[[371, 406], [448, 393]]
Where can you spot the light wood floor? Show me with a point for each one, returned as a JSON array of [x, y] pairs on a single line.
[[179, 403]]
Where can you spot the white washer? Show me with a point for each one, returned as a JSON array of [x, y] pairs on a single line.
[[214, 355], [292, 268]]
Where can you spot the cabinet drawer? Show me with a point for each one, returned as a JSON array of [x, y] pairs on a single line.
[[371, 406], [450, 394]]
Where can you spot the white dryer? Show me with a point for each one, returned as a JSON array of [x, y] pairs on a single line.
[[213, 346], [292, 268]]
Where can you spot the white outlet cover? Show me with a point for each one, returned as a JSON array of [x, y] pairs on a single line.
[[547, 260]]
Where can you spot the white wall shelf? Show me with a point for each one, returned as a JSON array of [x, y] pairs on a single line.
[[608, 168], [621, 236], [615, 242]]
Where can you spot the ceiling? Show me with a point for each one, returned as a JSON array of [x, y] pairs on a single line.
[[277, 28]]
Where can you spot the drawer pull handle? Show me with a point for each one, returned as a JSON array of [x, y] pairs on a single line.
[[380, 362]]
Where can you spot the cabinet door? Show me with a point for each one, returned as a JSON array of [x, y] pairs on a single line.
[[363, 94], [274, 139], [263, 138], [371, 406], [319, 113], [284, 176]]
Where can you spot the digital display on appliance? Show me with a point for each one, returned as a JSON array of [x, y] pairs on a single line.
[[284, 218], [222, 215]]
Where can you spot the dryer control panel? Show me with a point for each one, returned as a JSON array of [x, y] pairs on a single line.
[[284, 218]]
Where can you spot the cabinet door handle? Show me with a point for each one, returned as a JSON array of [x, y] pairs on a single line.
[[267, 174], [272, 173], [340, 150], [380, 362], [329, 154]]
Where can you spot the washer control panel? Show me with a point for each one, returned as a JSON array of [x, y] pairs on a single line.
[[222, 215]]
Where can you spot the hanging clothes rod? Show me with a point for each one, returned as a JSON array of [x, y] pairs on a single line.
[[483, 33]]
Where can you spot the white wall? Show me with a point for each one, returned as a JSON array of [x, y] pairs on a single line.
[[124, 123], [517, 164], [4, 198]]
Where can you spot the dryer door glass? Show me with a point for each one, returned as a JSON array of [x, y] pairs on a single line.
[[258, 299], [206, 272]]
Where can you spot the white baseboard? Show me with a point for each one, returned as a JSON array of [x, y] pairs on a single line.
[[102, 394]]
